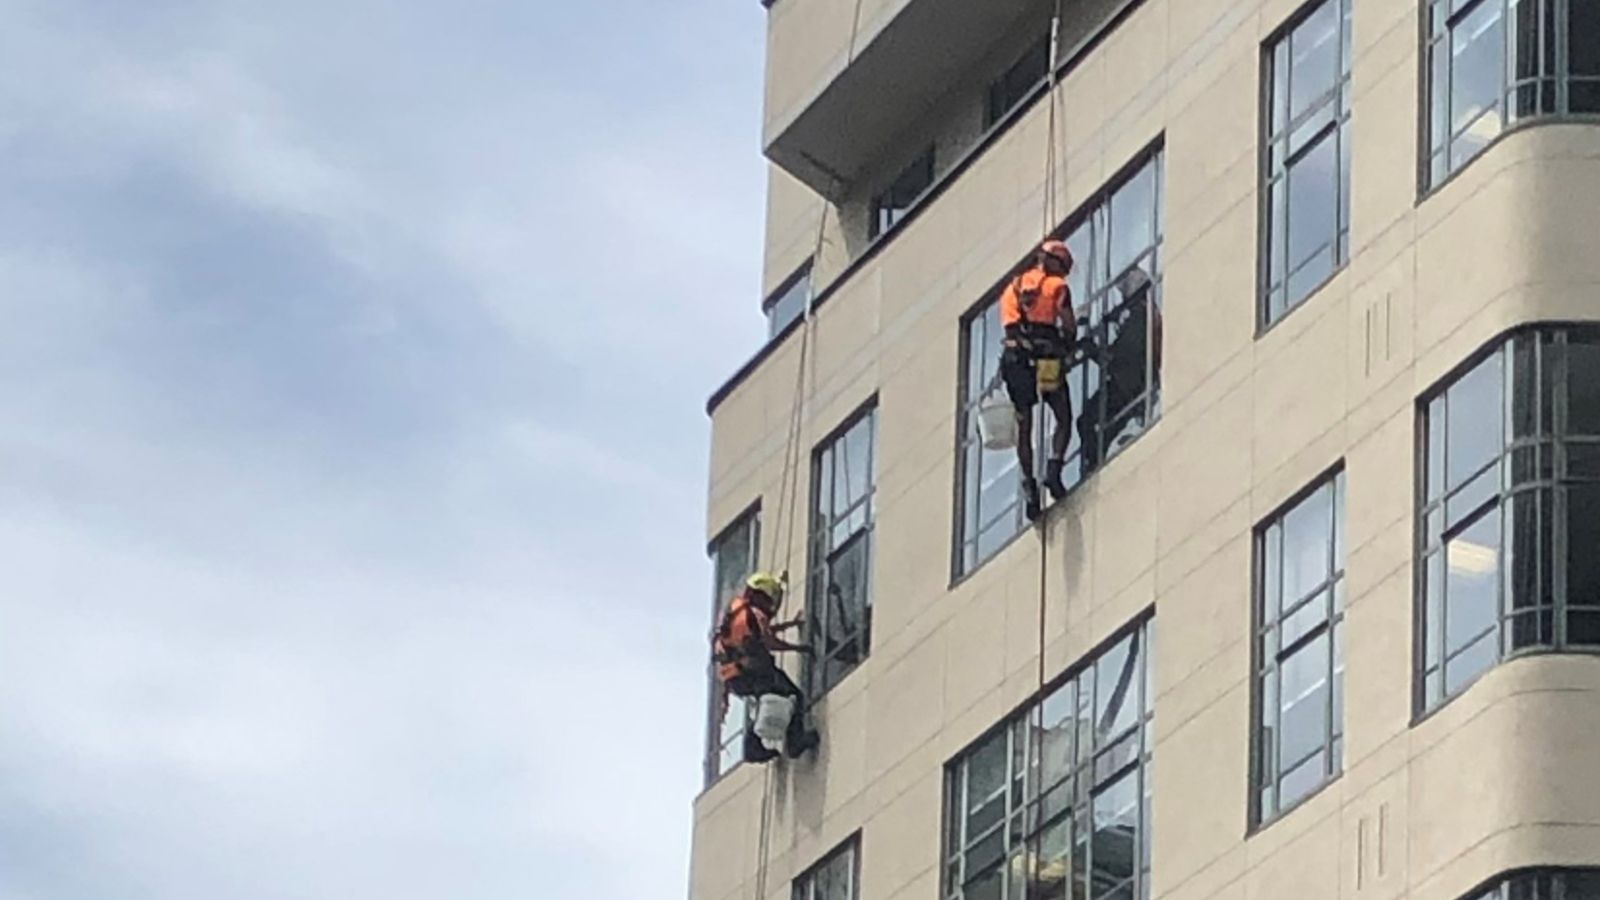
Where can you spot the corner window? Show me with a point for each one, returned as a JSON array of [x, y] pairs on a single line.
[[1306, 166], [891, 204], [1299, 652], [1013, 87], [1055, 803], [1116, 386], [836, 877], [733, 558], [1492, 63], [839, 595], [788, 302], [1542, 884], [1510, 477]]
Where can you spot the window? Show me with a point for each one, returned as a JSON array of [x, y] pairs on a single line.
[[839, 598], [788, 302], [733, 558], [1510, 476], [1013, 87], [1306, 163], [1116, 390], [1492, 63], [892, 204], [836, 877], [1299, 651], [1543, 884], [1055, 803]]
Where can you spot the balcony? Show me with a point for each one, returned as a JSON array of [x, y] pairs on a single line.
[[828, 122]]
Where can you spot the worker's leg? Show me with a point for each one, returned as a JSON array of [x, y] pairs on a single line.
[[740, 688], [1016, 368], [1060, 402], [1089, 432]]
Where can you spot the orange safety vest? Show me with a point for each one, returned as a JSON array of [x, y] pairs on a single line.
[[742, 630], [1035, 297]]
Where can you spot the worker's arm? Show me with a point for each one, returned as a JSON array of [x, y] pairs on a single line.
[[775, 644], [785, 626]]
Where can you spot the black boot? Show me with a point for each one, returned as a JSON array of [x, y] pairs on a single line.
[[807, 742], [1031, 507], [1052, 479]]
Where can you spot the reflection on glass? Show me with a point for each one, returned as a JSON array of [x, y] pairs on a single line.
[[1474, 420]]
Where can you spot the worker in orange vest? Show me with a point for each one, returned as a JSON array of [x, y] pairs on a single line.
[[1040, 333], [743, 647]]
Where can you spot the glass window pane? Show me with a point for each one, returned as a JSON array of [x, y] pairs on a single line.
[[1474, 420], [1304, 702], [1304, 620], [1468, 498], [1472, 662], [1529, 547], [1060, 725], [987, 886], [1471, 585], [789, 303], [1314, 48], [1114, 851], [1435, 466], [1304, 778], [1439, 118], [1313, 211], [1478, 72], [1583, 384], [1272, 573], [1133, 220], [1307, 545], [1583, 35], [1583, 545], [1116, 689]]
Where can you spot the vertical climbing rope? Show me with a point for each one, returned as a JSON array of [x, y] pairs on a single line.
[[1050, 221], [789, 480]]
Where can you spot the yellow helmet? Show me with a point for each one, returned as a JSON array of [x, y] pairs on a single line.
[[767, 583]]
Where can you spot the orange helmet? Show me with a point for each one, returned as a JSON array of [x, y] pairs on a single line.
[[1059, 250]]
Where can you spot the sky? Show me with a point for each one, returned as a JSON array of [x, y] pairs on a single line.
[[352, 448]]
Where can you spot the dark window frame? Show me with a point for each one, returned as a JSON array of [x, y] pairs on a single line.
[[1012, 88], [776, 323], [717, 743], [1437, 161], [1536, 883], [822, 557], [893, 203], [804, 886], [1027, 814], [1280, 153], [1521, 465], [1264, 665], [1086, 380]]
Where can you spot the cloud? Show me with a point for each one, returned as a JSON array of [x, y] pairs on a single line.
[[351, 455]]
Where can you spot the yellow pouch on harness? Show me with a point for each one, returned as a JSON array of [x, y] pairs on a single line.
[[1048, 374]]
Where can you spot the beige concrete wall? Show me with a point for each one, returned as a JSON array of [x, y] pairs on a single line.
[[1421, 811]]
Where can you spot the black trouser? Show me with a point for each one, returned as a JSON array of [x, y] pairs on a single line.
[[758, 682]]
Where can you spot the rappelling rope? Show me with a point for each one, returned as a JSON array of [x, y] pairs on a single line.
[[789, 483], [1050, 222]]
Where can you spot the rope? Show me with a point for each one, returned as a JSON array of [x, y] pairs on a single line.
[[1050, 183], [789, 479]]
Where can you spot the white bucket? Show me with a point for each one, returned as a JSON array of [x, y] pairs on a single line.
[[772, 720], [997, 422]]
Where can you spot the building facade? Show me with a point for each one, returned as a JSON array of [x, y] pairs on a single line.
[[1319, 616]]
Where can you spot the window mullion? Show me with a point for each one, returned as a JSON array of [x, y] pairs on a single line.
[[1560, 381]]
